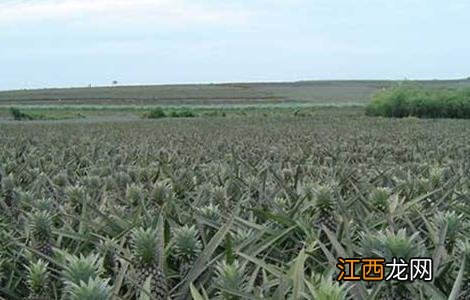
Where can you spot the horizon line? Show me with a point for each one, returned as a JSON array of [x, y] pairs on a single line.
[[232, 82]]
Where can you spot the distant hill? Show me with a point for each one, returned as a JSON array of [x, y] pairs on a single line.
[[325, 92]]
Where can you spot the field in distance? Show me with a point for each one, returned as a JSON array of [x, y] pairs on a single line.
[[229, 99], [355, 92]]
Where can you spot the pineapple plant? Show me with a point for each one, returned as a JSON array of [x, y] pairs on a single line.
[[38, 280], [436, 176], [210, 212], [45, 204], [325, 206], [242, 235], [122, 180], [76, 196], [134, 194], [379, 199], [287, 175], [230, 277], [92, 183], [133, 173], [252, 185], [398, 245], [41, 225], [110, 184], [9, 195], [453, 224], [93, 289], [58, 184], [232, 189], [307, 190], [323, 288], [281, 204], [182, 182], [146, 253], [81, 268], [160, 192], [44, 186], [107, 250], [219, 197], [185, 247], [370, 245], [61, 179], [26, 198], [144, 175]]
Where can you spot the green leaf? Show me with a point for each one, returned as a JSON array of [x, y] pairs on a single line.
[[161, 241], [229, 257], [454, 294], [270, 268], [280, 293], [297, 275], [195, 293]]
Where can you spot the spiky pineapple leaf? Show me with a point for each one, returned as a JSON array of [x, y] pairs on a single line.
[[161, 241], [297, 275], [195, 293], [454, 294]]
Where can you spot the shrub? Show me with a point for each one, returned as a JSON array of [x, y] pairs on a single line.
[[182, 114], [18, 114], [155, 113], [158, 113], [403, 101]]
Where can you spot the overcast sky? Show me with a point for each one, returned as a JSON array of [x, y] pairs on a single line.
[[56, 43]]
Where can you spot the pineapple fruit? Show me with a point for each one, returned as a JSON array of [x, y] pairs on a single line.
[[9, 196], [41, 231], [325, 209], [145, 250]]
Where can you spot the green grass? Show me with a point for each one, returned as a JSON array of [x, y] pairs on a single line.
[[417, 101], [137, 108], [58, 112]]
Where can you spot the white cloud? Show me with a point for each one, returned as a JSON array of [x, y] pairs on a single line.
[[172, 13]]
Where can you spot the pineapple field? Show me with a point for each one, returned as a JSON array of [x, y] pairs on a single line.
[[253, 207]]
